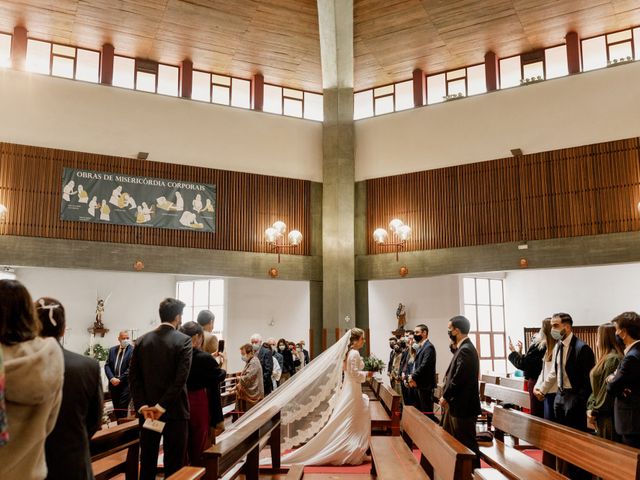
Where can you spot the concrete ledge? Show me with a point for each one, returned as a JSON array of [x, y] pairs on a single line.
[[60, 253], [563, 252]]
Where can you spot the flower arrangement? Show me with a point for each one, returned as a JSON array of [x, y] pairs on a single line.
[[99, 352], [373, 364]]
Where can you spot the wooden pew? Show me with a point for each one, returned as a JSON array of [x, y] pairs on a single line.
[[188, 473], [499, 394], [442, 455], [602, 458], [385, 413], [488, 474], [116, 450], [489, 378], [296, 472], [243, 443], [515, 382]]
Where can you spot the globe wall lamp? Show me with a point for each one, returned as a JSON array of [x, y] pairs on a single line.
[[274, 236], [400, 233]]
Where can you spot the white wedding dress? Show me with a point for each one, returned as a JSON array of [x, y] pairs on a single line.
[[323, 410], [344, 439]]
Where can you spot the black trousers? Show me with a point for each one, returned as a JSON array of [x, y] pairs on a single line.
[[571, 410], [174, 445], [425, 402], [267, 384], [120, 396], [463, 429]]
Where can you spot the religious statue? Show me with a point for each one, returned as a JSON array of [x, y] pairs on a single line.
[[99, 312], [401, 315]]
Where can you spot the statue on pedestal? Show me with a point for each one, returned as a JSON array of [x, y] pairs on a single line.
[[99, 312], [401, 315]]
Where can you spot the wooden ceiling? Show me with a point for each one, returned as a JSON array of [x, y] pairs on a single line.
[[279, 38]]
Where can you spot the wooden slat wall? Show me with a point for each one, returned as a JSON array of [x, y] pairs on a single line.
[[587, 190], [31, 188], [588, 334]]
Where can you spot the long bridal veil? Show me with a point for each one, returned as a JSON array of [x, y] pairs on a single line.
[[307, 399]]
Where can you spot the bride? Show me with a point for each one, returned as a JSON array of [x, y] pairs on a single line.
[[322, 413]]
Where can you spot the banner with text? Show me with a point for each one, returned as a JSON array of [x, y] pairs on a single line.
[[120, 199]]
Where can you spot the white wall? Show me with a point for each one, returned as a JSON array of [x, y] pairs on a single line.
[[59, 113], [591, 295], [432, 301], [252, 304], [582, 109], [133, 303]]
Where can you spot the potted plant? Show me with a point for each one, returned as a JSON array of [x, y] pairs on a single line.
[[99, 353]]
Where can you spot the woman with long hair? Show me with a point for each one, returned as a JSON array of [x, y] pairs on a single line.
[[204, 380], [544, 338], [344, 439], [600, 403], [34, 372]]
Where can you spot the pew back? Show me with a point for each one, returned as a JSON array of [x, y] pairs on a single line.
[[446, 456], [517, 383], [603, 458], [112, 441], [500, 394]]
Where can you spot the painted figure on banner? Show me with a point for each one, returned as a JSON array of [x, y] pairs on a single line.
[[93, 204], [164, 204], [83, 196], [179, 202], [146, 211], [188, 219], [208, 206], [197, 203], [67, 191], [105, 211], [115, 196]]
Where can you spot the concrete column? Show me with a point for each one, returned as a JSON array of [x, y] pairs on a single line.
[[491, 69], [257, 91], [335, 19], [573, 52], [19, 48], [186, 78], [106, 64], [418, 88]]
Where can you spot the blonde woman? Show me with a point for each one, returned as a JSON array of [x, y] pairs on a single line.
[[600, 403], [344, 440]]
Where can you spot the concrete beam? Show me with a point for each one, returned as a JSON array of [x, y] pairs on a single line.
[[335, 22], [59, 253], [562, 252]]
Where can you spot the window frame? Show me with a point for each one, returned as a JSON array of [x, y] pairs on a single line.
[[221, 326], [52, 55]]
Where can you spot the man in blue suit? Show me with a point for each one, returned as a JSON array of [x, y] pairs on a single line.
[[624, 384], [117, 370], [423, 377]]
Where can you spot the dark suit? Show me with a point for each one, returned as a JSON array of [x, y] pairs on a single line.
[[67, 446], [158, 374], [463, 397], [531, 365], [306, 356], [265, 355], [424, 374], [625, 385], [120, 393], [570, 405]]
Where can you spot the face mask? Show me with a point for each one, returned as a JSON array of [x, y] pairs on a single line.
[[454, 338], [125, 343], [397, 349], [392, 346], [415, 346], [417, 338], [282, 348], [556, 334], [244, 358], [255, 347], [620, 342]]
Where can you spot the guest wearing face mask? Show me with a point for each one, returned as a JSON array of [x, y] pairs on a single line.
[[572, 361], [250, 386], [397, 362], [287, 361], [266, 361], [278, 361], [624, 384], [423, 378], [117, 370], [460, 396], [392, 344]]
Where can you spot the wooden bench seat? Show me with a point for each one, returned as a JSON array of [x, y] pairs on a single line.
[[296, 472], [441, 454], [394, 459], [488, 474], [517, 383], [602, 458], [516, 465], [188, 473], [385, 413], [116, 450]]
